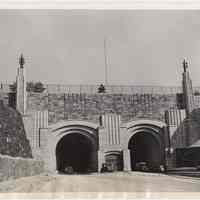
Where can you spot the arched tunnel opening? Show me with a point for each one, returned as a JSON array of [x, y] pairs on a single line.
[[78, 152], [146, 151], [114, 161]]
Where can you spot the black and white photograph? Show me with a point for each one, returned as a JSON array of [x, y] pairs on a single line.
[[96, 101]]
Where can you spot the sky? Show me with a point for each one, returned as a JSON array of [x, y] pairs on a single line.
[[143, 47]]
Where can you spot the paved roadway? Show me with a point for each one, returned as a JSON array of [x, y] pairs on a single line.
[[146, 183]]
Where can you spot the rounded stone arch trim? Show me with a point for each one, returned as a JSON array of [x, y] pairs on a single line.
[[145, 121], [117, 152], [61, 129], [93, 139], [68, 123], [154, 134], [144, 125]]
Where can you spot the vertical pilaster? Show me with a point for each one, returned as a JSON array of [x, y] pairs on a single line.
[[50, 154], [127, 160], [101, 159]]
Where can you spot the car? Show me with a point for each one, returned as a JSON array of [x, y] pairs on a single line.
[[142, 166], [69, 170], [198, 167]]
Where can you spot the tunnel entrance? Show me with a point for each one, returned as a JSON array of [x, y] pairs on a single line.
[[78, 152], [114, 161], [145, 150]]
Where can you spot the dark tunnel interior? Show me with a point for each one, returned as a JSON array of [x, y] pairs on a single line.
[[74, 150], [144, 147]]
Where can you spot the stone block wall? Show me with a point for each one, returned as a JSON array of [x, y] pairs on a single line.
[[12, 168], [56, 107], [13, 140], [194, 126], [4, 97], [37, 101], [178, 140], [90, 106], [188, 132]]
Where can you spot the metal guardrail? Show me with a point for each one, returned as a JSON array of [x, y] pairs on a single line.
[[110, 89]]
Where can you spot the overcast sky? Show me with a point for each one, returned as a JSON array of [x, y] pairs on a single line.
[[143, 47]]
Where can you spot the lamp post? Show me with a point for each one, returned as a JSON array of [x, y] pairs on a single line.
[[106, 62]]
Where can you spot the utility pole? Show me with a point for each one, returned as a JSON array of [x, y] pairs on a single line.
[[106, 62]]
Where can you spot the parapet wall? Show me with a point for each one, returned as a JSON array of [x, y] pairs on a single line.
[[12, 168], [89, 106]]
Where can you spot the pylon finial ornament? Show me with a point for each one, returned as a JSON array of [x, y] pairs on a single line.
[[21, 61]]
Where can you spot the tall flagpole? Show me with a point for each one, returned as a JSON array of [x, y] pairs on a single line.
[[106, 63]]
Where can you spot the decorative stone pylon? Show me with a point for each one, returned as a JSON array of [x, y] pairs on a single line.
[[21, 87], [187, 90], [188, 100]]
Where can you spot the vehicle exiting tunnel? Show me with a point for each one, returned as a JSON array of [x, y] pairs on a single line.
[[77, 152], [114, 161]]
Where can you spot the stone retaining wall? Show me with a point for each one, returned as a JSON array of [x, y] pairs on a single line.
[[13, 140], [188, 132], [15, 167]]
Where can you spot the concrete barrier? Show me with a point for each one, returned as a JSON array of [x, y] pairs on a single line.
[[16, 167]]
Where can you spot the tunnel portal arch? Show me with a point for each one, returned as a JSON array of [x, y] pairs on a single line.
[[74, 144], [146, 143], [114, 160]]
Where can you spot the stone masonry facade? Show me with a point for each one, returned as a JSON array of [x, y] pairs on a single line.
[[90, 106]]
